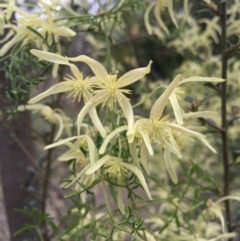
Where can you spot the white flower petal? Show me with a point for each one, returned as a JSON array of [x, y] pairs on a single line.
[[147, 141], [160, 103], [171, 13], [127, 110], [60, 129], [64, 31], [110, 136], [186, 131], [98, 164], [201, 79], [120, 201], [61, 142], [157, 15], [92, 150], [140, 177], [200, 114], [96, 67], [146, 18], [55, 89], [50, 57], [8, 45], [168, 164], [176, 108], [92, 103], [96, 121], [133, 75], [83, 171], [207, 144]]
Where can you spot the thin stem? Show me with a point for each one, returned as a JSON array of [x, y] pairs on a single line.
[[224, 112], [106, 200], [40, 234]]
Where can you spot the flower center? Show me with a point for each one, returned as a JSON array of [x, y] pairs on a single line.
[[115, 169]]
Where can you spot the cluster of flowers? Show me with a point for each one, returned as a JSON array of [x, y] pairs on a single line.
[[107, 89]]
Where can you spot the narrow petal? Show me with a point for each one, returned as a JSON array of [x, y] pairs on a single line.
[[61, 142], [147, 141], [157, 14], [207, 144], [64, 31], [92, 103], [120, 201], [140, 177], [50, 57], [202, 79], [176, 108], [160, 103], [98, 165], [171, 13], [96, 67], [134, 153], [174, 144], [30, 107], [200, 114], [8, 35], [110, 136], [7, 46], [79, 175], [60, 128], [172, 149], [235, 198], [71, 155], [133, 75], [186, 9], [93, 113], [144, 158], [186, 131], [96, 121], [92, 150], [146, 18], [225, 236], [55, 89], [168, 164], [128, 112]]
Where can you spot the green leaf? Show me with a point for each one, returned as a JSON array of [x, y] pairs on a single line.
[[21, 230], [25, 228], [53, 227]]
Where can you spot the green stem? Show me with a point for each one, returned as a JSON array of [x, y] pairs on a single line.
[[106, 200]]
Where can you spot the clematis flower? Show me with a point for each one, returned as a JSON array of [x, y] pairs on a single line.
[[31, 28], [215, 209], [178, 91], [52, 116], [110, 90], [157, 129], [158, 7], [76, 85], [115, 167]]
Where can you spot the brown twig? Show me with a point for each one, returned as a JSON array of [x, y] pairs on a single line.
[[223, 17]]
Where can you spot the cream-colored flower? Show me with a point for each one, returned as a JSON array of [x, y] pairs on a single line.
[[53, 116], [118, 169], [36, 29], [158, 7], [110, 90], [77, 86]]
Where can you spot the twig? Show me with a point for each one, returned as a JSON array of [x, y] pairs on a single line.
[[223, 9], [22, 147], [217, 128]]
